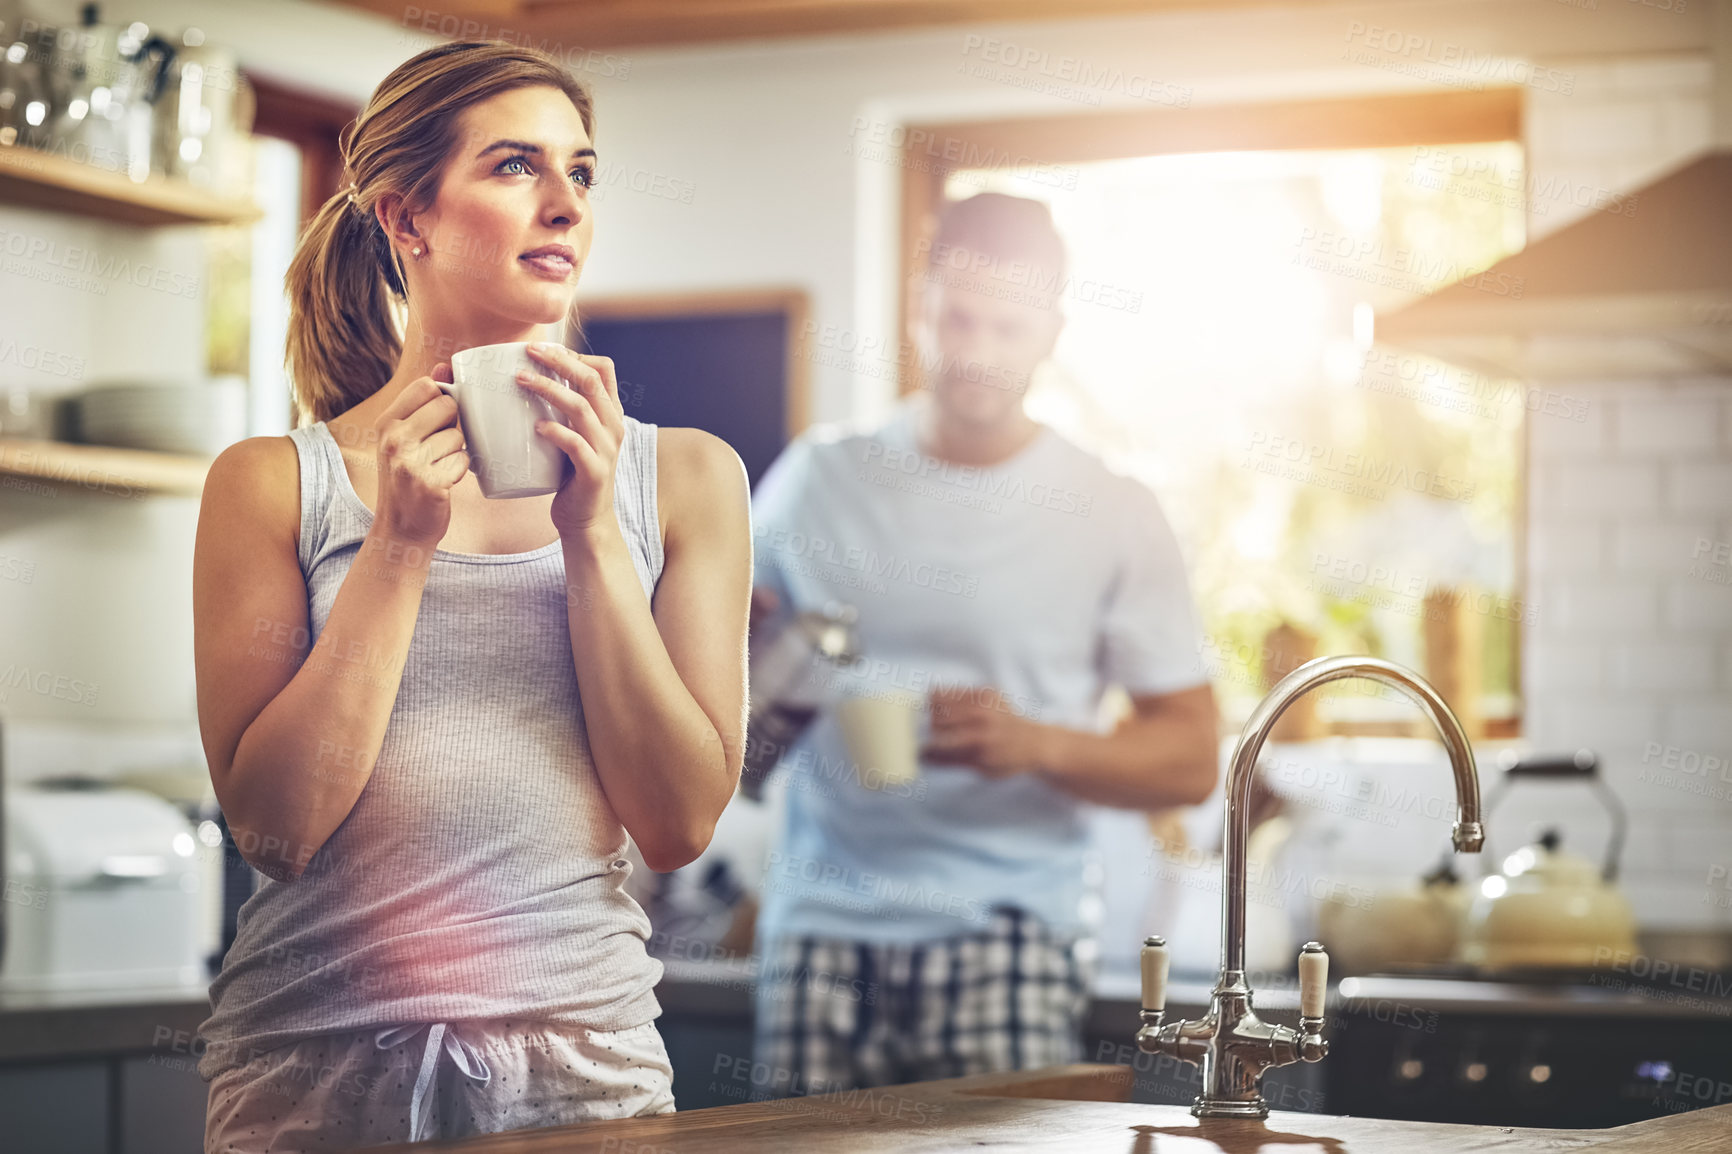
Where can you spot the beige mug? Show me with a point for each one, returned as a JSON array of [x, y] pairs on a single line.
[[883, 731], [508, 457]]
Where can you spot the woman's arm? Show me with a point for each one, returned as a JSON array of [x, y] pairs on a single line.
[[291, 736], [664, 686]]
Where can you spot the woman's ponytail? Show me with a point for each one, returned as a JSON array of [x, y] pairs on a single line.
[[347, 300], [343, 336]]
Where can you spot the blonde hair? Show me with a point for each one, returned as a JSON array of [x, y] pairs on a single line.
[[347, 295]]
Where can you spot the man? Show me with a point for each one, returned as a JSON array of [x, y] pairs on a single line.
[[941, 927]]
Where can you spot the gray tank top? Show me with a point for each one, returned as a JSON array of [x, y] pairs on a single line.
[[480, 873]]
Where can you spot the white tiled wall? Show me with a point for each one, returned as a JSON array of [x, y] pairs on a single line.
[[1631, 652]]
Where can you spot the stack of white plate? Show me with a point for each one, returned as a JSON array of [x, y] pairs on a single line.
[[203, 417]]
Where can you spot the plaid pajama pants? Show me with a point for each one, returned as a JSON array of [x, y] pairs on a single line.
[[833, 1014]]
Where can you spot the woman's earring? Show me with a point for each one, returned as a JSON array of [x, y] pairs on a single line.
[[416, 251]]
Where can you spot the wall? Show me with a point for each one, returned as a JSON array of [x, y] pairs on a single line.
[[98, 588], [775, 140], [1631, 653], [108, 599], [1631, 650]]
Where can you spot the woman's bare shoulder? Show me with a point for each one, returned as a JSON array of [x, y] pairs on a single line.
[[258, 479], [699, 478]]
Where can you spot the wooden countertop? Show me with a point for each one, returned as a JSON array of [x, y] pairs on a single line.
[[1082, 1107]]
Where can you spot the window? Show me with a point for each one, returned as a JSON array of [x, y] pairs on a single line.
[[1333, 495]]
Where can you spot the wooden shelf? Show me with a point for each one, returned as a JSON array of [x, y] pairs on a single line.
[[101, 468], [43, 180]]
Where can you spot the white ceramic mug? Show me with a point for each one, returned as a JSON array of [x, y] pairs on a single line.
[[508, 457], [882, 731]]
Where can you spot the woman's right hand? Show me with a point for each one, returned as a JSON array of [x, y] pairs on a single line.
[[420, 457]]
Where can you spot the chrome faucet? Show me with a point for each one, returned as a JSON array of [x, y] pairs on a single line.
[[1234, 1046]]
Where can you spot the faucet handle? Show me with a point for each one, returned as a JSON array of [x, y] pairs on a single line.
[[1154, 965], [1313, 979], [1313, 988]]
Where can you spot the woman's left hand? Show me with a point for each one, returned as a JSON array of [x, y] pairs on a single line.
[[591, 408]]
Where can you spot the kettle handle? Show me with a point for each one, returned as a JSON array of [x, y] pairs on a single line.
[[1583, 765]]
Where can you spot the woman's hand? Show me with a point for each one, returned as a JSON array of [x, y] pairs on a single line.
[[597, 430], [420, 456]]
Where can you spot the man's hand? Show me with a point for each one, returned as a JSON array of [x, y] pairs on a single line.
[[974, 726]]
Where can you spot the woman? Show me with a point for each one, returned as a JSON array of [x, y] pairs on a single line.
[[432, 719]]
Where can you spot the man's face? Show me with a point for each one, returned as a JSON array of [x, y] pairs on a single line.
[[984, 328]]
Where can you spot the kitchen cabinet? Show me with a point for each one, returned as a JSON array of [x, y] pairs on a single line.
[[1561, 1054], [121, 1105], [56, 1109], [109, 1072], [160, 1104]]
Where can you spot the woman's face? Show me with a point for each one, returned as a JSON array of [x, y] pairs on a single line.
[[515, 192]]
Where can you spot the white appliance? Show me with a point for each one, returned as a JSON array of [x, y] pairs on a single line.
[[102, 889]]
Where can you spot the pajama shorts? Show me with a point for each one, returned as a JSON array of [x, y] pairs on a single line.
[[836, 1015], [441, 1080]]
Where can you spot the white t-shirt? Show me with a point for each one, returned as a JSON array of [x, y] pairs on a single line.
[[1047, 576]]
